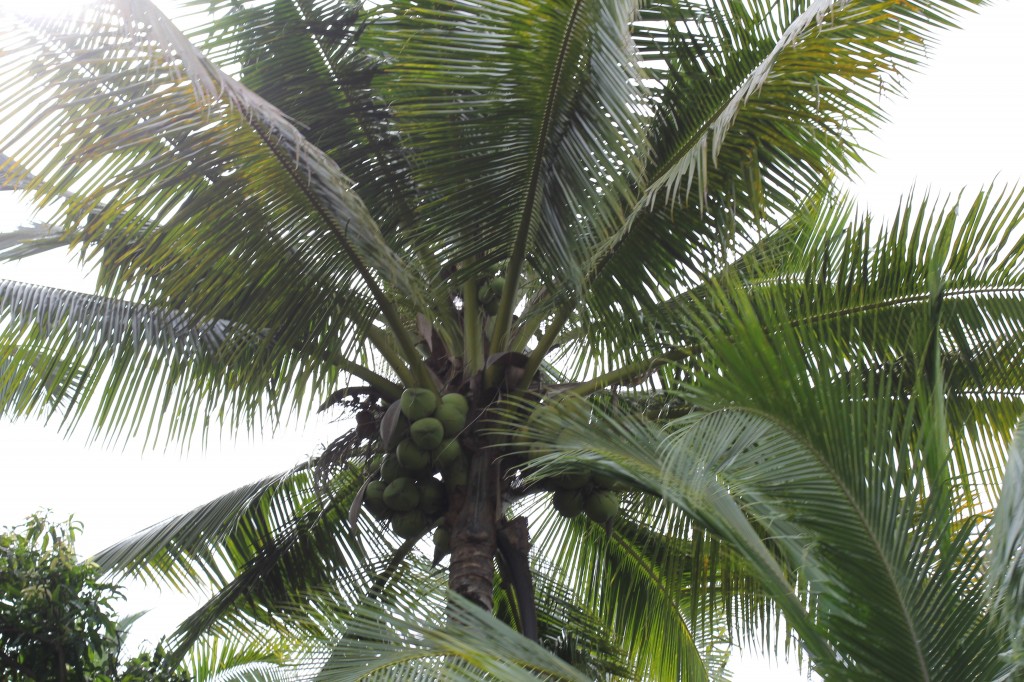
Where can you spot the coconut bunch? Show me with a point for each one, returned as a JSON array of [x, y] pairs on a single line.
[[423, 463], [580, 492], [489, 294]]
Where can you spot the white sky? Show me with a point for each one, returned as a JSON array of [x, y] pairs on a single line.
[[959, 127]]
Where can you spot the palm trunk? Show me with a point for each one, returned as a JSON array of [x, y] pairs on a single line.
[[474, 532]]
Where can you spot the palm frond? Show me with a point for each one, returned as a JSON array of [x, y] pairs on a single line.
[[445, 638], [644, 599], [800, 443], [305, 58], [633, 452], [258, 547], [175, 142], [28, 240], [466, 88], [137, 368], [260, 659], [753, 105], [943, 277]]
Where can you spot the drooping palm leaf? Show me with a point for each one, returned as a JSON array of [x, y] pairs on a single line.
[[645, 599], [304, 57], [747, 124], [256, 548], [257, 660], [834, 470], [153, 360], [217, 167], [450, 640]]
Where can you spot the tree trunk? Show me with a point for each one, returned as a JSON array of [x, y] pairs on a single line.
[[474, 531], [62, 666]]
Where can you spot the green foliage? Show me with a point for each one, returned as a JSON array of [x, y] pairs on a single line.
[[765, 404], [150, 667], [56, 616], [57, 619]]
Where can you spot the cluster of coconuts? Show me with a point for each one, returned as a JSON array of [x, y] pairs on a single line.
[[577, 493], [489, 294], [424, 462], [422, 442]]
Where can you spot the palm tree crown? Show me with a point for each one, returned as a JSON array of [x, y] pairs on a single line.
[[554, 257]]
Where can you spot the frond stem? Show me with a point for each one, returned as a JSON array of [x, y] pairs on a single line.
[[472, 329], [503, 320], [388, 389], [545, 343], [630, 374], [394, 359]]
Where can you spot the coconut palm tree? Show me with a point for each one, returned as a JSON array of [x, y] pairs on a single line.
[[578, 272]]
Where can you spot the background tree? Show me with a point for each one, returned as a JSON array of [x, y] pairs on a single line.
[[57, 619], [609, 228]]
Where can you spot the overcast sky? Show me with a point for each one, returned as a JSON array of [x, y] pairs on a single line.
[[959, 127]]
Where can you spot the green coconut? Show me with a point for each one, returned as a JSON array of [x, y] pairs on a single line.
[[442, 541], [456, 400], [447, 452], [427, 433], [411, 457], [452, 419], [604, 481], [490, 290], [432, 496], [391, 468], [402, 494], [418, 403], [373, 499], [409, 524], [569, 503], [602, 506], [489, 294]]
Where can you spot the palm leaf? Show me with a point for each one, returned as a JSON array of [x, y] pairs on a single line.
[[644, 599], [799, 444], [151, 361], [257, 660], [447, 638], [305, 58], [232, 156], [255, 549], [489, 160], [752, 111]]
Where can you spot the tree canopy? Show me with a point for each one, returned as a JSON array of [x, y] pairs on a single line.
[[57, 617], [607, 332]]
